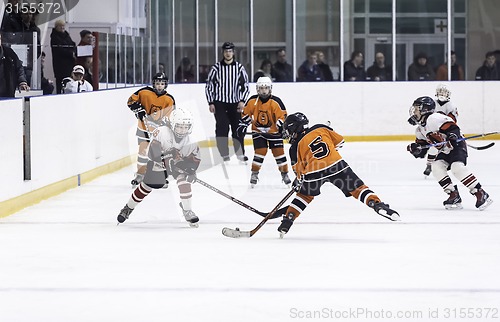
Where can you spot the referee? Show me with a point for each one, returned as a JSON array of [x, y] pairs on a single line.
[[226, 91]]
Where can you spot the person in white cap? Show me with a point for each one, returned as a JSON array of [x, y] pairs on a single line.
[[75, 83]]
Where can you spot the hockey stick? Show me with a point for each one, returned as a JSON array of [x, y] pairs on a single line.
[[222, 193], [237, 233], [233, 199], [460, 139], [484, 147]]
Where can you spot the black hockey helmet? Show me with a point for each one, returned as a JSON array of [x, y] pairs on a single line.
[[421, 108], [295, 124], [227, 45], [160, 82]]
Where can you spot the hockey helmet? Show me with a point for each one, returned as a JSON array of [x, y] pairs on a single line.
[[295, 124], [421, 108], [443, 93], [181, 122], [160, 83], [227, 45], [264, 87]]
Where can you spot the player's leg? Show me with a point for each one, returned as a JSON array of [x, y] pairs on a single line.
[[142, 157], [280, 157], [238, 142], [302, 199], [431, 156], [260, 148], [351, 185], [440, 171], [152, 180], [468, 179], [185, 193], [222, 130]]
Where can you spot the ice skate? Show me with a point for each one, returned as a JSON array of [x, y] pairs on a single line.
[[384, 210], [454, 200], [286, 180], [190, 217], [226, 159], [428, 170], [254, 178], [286, 223], [242, 158], [138, 179], [124, 214], [483, 199]]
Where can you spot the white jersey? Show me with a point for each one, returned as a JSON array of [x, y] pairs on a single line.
[[447, 108], [185, 146], [72, 86], [433, 124]]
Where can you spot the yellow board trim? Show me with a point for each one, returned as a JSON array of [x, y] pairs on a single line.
[[16, 204]]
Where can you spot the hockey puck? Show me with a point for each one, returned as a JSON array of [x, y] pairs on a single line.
[[237, 229]]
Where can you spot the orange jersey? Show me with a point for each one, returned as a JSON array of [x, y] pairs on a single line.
[[158, 107], [316, 152], [264, 114]]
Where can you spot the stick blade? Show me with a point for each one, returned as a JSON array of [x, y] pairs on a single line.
[[235, 233], [486, 146]]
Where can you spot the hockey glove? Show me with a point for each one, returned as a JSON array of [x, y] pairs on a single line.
[[138, 110], [297, 184], [416, 150], [242, 129], [279, 126]]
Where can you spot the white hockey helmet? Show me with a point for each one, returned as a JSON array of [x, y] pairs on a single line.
[[181, 122], [443, 93], [264, 86]]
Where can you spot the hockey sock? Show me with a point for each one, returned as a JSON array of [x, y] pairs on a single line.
[[463, 174], [365, 194], [299, 204], [186, 204], [447, 184], [258, 159], [184, 191], [138, 195], [280, 157]]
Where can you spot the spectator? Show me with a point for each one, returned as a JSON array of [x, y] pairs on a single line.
[[11, 72], [86, 39], [421, 70], [63, 53], [266, 70], [76, 83], [354, 69], [11, 21], [309, 70], [161, 68], [185, 72], [379, 71], [226, 91], [282, 70], [87, 65], [457, 72], [489, 70], [325, 69], [47, 85]]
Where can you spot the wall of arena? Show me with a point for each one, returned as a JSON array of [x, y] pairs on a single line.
[[77, 137]]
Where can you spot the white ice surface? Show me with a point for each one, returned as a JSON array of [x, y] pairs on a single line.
[[65, 259]]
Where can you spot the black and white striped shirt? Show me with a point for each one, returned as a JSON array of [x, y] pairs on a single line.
[[227, 83]]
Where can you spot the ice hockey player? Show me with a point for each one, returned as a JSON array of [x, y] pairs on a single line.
[[158, 104], [452, 153], [444, 106], [266, 112], [172, 150], [315, 160]]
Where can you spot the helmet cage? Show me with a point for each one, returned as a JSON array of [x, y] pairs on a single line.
[[443, 93]]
